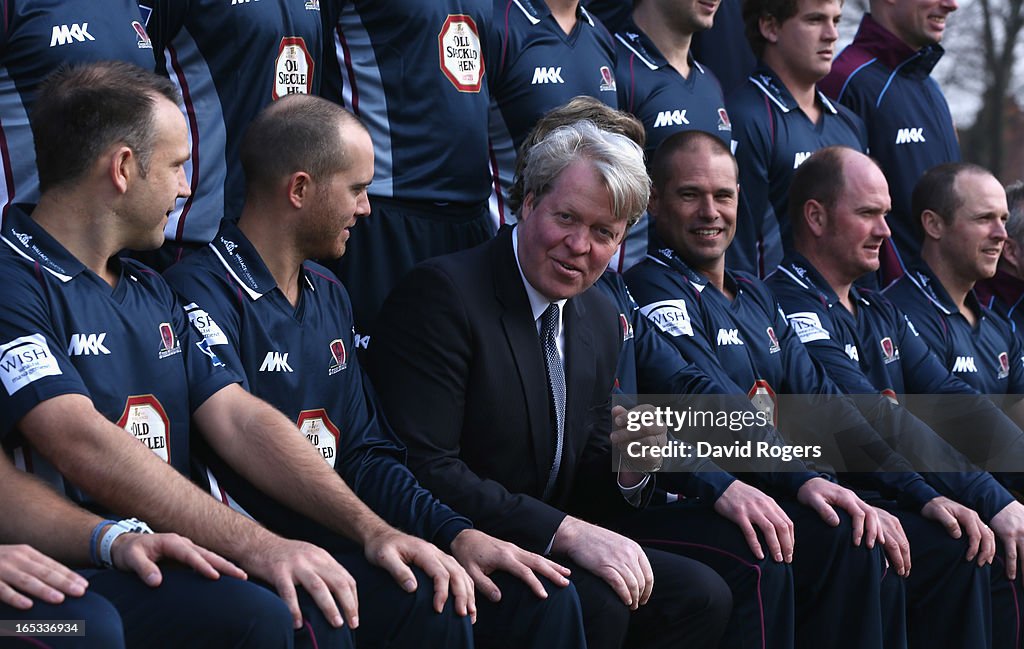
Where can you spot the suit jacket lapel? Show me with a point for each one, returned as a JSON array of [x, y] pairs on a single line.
[[579, 366], [524, 345]]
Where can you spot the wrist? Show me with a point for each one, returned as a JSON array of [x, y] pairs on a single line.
[[371, 534], [94, 540], [113, 532], [567, 534]]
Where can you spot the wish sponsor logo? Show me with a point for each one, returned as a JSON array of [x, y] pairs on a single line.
[[24, 360], [670, 316]]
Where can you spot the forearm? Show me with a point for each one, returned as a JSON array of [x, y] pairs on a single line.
[[268, 451], [96, 456], [389, 489], [32, 513]]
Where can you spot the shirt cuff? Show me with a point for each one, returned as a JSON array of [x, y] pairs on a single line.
[[634, 494]]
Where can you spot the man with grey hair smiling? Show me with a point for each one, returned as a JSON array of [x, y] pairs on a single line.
[[495, 367]]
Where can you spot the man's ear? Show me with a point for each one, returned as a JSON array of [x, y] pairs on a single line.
[[933, 225], [815, 217], [653, 202], [1012, 255], [122, 167], [526, 209], [769, 28], [300, 185]]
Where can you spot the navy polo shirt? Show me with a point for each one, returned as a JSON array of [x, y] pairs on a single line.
[[414, 72], [36, 37], [987, 356], [229, 60], [878, 351], [749, 340], [773, 137], [649, 364], [665, 101], [131, 349], [301, 360], [535, 66], [909, 126]]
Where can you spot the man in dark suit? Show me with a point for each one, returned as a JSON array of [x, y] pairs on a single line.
[[495, 367]]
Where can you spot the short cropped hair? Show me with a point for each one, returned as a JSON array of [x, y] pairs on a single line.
[[755, 10], [617, 159], [295, 133], [1015, 200], [688, 142], [934, 191], [819, 178], [82, 110], [578, 108]]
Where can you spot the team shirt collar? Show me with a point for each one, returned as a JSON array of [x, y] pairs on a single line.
[[922, 277], [637, 42], [1004, 286], [887, 48], [660, 253], [537, 10], [804, 274], [31, 241], [769, 83], [241, 259]]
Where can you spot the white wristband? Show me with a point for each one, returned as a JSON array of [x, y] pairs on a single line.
[[126, 526]]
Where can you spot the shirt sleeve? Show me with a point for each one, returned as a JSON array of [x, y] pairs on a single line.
[[912, 438], [166, 19], [679, 325], [753, 142], [370, 459], [34, 362]]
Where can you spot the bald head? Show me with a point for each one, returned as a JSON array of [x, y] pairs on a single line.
[[962, 212], [689, 142], [296, 133], [837, 204]]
